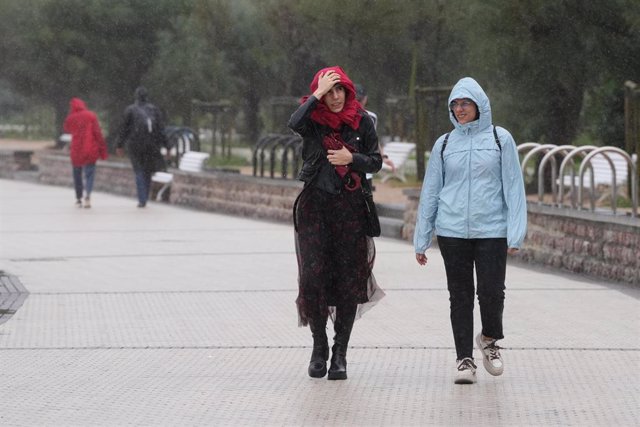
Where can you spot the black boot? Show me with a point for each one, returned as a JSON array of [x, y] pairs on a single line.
[[342, 326], [320, 353]]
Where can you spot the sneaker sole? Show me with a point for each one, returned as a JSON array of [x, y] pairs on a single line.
[[496, 372], [465, 381]]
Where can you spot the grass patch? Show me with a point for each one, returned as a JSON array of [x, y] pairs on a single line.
[[224, 161], [411, 182]]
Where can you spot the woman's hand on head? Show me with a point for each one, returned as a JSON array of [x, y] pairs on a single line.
[[325, 82], [341, 157], [422, 259]]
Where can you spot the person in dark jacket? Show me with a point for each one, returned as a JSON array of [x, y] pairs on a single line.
[[87, 146], [335, 255], [142, 133]]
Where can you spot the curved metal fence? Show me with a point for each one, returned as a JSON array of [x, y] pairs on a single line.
[[277, 149], [609, 169], [181, 140]]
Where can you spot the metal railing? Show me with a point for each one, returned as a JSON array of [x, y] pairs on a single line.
[[576, 183], [278, 147], [181, 140]]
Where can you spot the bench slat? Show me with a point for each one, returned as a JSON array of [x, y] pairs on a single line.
[[399, 153], [191, 161]]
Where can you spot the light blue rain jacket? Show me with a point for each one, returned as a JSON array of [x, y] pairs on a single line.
[[478, 192]]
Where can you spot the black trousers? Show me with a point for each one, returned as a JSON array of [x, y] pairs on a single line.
[[489, 257]]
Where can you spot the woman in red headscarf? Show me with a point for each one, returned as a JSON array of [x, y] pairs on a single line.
[[335, 255]]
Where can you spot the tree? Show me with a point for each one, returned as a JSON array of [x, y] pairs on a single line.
[[93, 49], [548, 55], [185, 68]]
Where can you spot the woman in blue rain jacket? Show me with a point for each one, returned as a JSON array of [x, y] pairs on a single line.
[[473, 199]]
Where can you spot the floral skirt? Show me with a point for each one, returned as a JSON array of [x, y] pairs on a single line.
[[335, 256]]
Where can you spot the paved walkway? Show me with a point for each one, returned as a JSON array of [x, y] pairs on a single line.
[[168, 316]]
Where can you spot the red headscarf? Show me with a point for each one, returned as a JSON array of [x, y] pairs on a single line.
[[348, 115]]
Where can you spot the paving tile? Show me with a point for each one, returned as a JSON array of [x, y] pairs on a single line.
[[170, 316]]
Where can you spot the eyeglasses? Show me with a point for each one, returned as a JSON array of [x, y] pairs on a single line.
[[464, 104]]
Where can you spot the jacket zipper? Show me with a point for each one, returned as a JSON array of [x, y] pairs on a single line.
[[469, 189]]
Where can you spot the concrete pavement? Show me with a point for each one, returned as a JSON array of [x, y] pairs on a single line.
[[168, 316]]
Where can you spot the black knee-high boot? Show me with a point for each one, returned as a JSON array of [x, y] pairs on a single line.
[[345, 317], [320, 353]]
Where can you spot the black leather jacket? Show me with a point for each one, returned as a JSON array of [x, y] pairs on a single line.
[[367, 159]]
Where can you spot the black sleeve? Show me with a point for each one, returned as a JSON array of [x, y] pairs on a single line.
[[300, 119], [125, 129], [368, 159], [160, 135]]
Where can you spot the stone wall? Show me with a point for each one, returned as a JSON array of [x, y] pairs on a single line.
[[236, 194], [13, 162], [599, 245], [228, 193], [114, 177], [595, 244]]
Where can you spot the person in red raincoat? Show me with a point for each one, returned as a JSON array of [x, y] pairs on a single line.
[[87, 146]]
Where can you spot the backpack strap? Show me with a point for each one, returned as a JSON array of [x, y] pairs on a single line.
[[446, 139], [495, 135], [444, 145]]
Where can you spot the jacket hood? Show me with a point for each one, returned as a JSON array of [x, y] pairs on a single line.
[[141, 95], [77, 104], [469, 88]]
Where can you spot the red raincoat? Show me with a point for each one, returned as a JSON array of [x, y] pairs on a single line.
[[87, 143]]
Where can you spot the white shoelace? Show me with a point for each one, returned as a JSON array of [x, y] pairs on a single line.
[[494, 350], [466, 364]]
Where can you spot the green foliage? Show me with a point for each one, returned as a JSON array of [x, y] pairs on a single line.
[[603, 113], [546, 56], [553, 69], [226, 161], [585, 138]]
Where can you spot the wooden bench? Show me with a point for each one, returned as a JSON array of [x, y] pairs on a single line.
[[191, 161], [398, 153]]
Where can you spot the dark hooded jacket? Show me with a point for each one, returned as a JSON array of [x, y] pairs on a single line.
[[143, 135], [87, 143]]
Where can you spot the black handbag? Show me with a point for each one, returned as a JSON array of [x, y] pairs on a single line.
[[373, 222]]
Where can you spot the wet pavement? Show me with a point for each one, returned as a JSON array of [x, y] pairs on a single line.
[[170, 316]]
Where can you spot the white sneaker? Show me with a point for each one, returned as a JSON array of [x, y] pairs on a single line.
[[491, 358], [465, 371]]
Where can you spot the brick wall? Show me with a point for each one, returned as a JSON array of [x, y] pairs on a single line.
[[111, 176], [595, 244], [12, 162], [598, 245], [222, 192], [236, 194]]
